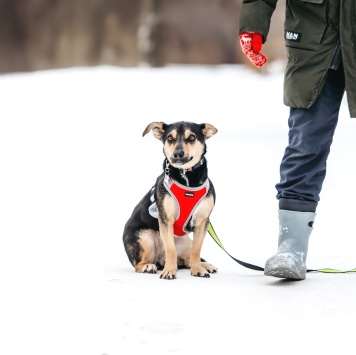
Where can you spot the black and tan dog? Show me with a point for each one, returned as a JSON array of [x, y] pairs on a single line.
[[156, 236]]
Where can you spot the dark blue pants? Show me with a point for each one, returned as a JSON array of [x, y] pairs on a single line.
[[311, 131]]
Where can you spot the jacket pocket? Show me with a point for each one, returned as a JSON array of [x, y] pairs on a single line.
[[305, 24], [313, 1]]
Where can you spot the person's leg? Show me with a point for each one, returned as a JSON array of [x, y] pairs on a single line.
[[302, 172], [311, 131]]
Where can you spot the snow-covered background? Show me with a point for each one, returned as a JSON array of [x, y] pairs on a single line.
[[73, 164]]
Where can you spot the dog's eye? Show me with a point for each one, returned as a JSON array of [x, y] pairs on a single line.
[[191, 138], [170, 138]]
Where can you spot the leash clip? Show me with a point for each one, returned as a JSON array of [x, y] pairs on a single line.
[[166, 170], [184, 177]]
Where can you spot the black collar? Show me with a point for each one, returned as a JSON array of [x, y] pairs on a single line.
[[182, 172]]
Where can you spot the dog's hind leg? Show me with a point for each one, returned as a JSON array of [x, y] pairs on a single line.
[[209, 267], [151, 254], [183, 248]]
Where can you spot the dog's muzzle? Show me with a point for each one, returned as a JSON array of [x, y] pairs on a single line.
[[180, 160]]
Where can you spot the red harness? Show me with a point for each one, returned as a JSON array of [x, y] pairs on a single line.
[[187, 200]]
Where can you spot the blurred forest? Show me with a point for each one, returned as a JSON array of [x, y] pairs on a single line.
[[47, 34]]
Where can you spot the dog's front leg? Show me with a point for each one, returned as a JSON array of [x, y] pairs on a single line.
[[198, 268], [170, 267]]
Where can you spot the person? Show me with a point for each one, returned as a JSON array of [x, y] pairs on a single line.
[[320, 42]]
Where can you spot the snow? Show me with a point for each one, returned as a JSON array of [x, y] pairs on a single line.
[[74, 165]]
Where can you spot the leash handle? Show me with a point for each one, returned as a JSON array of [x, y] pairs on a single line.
[[213, 234]]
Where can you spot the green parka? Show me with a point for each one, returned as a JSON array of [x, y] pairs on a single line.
[[313, 30]]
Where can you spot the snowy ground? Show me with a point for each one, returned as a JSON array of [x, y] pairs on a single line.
[[73, 166]]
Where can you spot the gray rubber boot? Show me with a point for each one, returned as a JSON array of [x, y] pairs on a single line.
[[294, 231]]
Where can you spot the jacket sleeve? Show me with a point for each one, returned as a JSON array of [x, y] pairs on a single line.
[[256, 16]]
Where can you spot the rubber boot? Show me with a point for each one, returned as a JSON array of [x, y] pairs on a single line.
[[294, 231]]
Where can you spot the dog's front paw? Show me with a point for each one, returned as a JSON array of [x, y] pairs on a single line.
[[168, 274], [199, 271], [203, 270], [146, 268]]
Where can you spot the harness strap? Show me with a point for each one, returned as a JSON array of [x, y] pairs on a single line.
[[213, 234]]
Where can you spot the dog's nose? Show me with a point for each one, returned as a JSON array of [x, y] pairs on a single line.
[[178, 154]]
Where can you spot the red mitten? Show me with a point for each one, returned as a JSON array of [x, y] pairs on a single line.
[[251, 45]]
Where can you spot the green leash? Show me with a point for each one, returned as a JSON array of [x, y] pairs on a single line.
[[213, 234]]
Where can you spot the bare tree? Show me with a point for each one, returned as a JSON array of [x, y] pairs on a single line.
[[44, 34]]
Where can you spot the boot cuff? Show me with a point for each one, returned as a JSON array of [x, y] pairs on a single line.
[[297, 205]]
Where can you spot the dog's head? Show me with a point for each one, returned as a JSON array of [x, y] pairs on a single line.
[[183, 142]]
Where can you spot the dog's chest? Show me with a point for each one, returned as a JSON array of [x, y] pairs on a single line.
[[187, 199]]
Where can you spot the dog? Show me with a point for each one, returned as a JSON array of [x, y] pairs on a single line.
[[156, 236]]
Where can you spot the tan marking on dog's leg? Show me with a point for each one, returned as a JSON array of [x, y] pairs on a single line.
[[166, 232], [198, 268], [146, 264], [170, 267]]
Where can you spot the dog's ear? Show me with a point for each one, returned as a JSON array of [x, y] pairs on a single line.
[[209, 130], [158, 129]]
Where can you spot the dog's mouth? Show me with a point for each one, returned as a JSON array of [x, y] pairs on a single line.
[[180, 161]]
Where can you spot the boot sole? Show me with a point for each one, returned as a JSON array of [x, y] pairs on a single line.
[[285, 274], [284, 266]]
